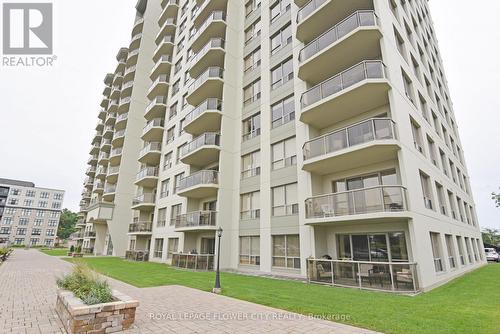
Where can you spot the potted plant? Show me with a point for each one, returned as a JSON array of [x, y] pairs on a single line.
[[78, 252], [71, 250], [85, 303]]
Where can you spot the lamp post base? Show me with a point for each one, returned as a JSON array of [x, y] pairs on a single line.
[[217, 291]]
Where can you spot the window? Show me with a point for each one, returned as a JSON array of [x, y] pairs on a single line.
[[176, 87], [173, 246], [432, 151], [253, 60], [38, 222], [164, 188], [42, 204], [250, 250], [170, 135], [426, 190], [167, 160], [280, 7], [281, 39], [52, 223], [58, 196], [29, 202], [30, 193], [23, 221], [283, 112], [11, 211], [36, 231], [285, 202], [253, 31], [441, 199], [284, 154], [5, 230], [21, 231], [175, 211], [44, 195], [250, 165], [451, 251], [251, 127], [177, 181], [436, 251], [408, 86], [181, 126], [172, 111], [50, 233], [468, 249], [162, 217], [400, 44], [53, 214], [26, 212], [48, 242], [286, 251], [19, 241], [250, 205], [417, 136], [158, 248], [444, 162], [251, 93], [56, 205], [250, 6], [7, 221], [282, 74], [179, 151], [460, 250], [15, 192]]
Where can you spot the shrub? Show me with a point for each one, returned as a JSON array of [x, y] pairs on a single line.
[[86, 285], [4, 251], [78, 249], [72, 249]]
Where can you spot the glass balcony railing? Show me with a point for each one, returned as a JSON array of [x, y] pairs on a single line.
[[216, 15], [150, 147], [210, 73], [213, 43], [122, 117], [362, 18], [140, 226], [147, 172], [157, 122], [113, 170], [109, 188], [308, 8], [360, 133], [208, 104], [144, 198], [196, 219], [159, 100], [368, 69], [208, 138], [116, 152], [137, 255], [193, 261], [360, 201], [119, 133], [199, 178]]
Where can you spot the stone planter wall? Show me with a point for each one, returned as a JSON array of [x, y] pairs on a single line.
[[96, 319]]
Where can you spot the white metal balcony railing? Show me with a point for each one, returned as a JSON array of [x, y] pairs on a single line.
[[308, 8], [213, 43], [150, 147], [199, 178], [385, 276], [208, 138], [208, 104], [144, 198], [147, 172], [215, 16], [251, 172], [360, 133], [360, 201], [368, 69], [157, 122], [210, 73], [192, 261], [140, 226], [196, 219], [251, 134], [250, 214], [362, 18]]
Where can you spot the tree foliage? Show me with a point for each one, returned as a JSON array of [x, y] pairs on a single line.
[[496, 197], [67, 223], [491, 237]]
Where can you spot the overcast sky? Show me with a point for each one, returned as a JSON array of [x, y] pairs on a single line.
[[47, 116]]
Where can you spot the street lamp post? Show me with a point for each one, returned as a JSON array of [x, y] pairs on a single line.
[[217, 289]]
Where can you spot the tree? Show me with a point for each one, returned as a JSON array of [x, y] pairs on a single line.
[[496, 198], [491, 237], [67, 223]]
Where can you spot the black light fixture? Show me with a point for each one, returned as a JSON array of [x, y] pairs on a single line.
[[217, 288]]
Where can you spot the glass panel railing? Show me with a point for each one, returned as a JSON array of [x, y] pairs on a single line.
[[308, 8], [144, 198], [368, 69], [157, 122], [109, 188], [147, 172], [140, 226], [116, 151], [113, 170], [385, 276], [199, 178], [196, 219], [122, 117], [362, 18], [360, 133], [150, 147], [156, 101], [161, 79], [137, 255], [216, 15], [193, 261], [119, 133], [213, 43], [208, 138], [353, 202], [210, 73], [208, 104]]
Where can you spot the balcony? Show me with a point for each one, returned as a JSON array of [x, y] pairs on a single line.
[[103, 158], [128, 78], [99, 187], [350, 93], [135, 42], [165, 46], [167, 29], [101, 172], [89, 234], [108, 132], [132, 58], [124, 106], [118, 79], [104, 103], [213, 26], [115, 156], [170, 8], [204, 183], [208, 85], [204, 117], [137, 255], [159, 87], [121, 121], [86, 195], [354, 39], [196, 221], [318, 16], [109, 192], [112, 174], [94, 149], [90, 171], [153, 131], [400, 277], [140, 227], [106, 145], [138, 25], [118, 138], [144, 202], [365, 143], [151, 154], [99, 212], [379, 203], [111, 119], [156, 108], [202, 151], [113, 104], [203, 262], [102, 114], [162, 66], [92, 160], [99, 126], [147, 177], [210, 55]]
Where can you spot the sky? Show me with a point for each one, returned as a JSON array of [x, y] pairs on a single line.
[[48, 115]]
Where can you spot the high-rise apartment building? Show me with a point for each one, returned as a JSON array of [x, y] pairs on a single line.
[[305, 130], [29, 215]]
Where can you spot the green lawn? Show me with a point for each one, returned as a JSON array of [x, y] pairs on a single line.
[[55, 252], [469, 304]]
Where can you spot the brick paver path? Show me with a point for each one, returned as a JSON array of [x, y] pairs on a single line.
[[28, 295]]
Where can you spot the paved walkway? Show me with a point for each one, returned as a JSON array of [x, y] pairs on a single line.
[[28, 294]]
